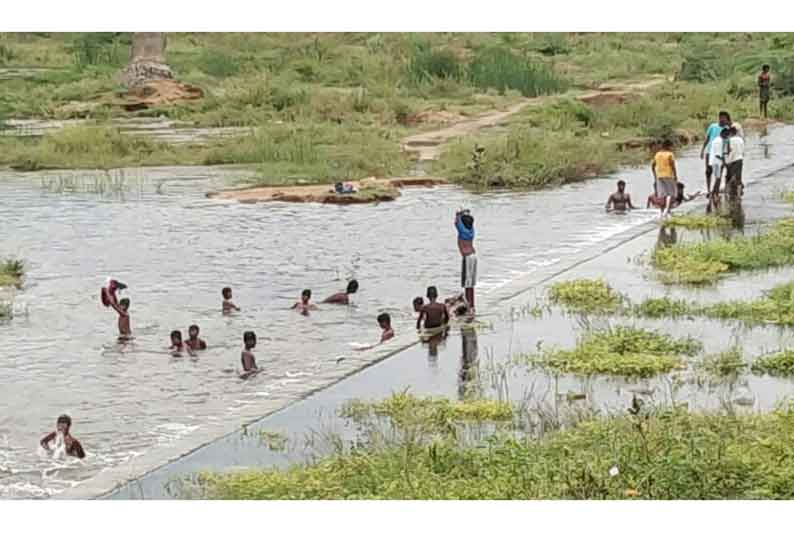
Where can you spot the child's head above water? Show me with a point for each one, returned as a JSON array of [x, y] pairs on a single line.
[[249, 339], [418, 303], [64, 423], [384, 320], [352, 286], [432, 293], [226, 293], [193, 331], [306, 295], [176, 337], [125, 303]]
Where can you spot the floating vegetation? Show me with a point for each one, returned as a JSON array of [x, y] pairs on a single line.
[[275, 442], [698, 222], [586, 296], [437, 415], [787, 196], [115, 182], [669, 454], [777, 364], [11, 273], [663, 307], [706, 262], [729, 363], [775, 307], [620, 351], [6, 310]]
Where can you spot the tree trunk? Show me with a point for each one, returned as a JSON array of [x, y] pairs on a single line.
[[147, 60]]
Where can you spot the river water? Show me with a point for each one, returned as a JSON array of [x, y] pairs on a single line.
[[176, 250]]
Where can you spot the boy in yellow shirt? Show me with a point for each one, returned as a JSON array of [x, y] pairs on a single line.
[[665, 175]]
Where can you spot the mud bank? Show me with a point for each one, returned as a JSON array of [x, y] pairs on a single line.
[[367, 191]]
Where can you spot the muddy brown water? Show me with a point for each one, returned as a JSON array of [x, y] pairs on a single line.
[[135, 407]]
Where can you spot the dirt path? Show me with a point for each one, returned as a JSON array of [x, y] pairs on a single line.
[[426, 146]]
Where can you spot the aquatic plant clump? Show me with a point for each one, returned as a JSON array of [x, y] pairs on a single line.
[[703, 263], [724, 364], [663, 307], [698, 222], [585, 295], [620, 351], [776, 307], [671, 454], [11, 273], [777, 364]]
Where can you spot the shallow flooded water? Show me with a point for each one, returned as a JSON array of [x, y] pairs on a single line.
[[176, 250]]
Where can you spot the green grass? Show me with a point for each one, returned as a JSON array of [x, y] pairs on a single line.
[[662, 307], [775, 307], [620, 351], [586, 296], [779, 364], [708, 261], [12, 272], [729, 363], [698, 222], [668, 454]]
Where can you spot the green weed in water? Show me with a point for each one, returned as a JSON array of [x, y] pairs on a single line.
[[725, 364], [11, 272], [706, 262], [775, 307], [698, 222], [620, 351], [669, 454], [777, 364], [585, 296], [663, 307]]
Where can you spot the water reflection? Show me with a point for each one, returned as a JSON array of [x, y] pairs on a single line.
[[668, 236], [468, 378]]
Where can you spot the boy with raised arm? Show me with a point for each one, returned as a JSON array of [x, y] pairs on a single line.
[[464, 224]]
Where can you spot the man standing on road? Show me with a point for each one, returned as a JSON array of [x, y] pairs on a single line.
[[764, 83], [464, 223]]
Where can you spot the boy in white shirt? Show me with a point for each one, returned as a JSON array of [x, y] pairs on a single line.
[[717, 154], [735, 162]]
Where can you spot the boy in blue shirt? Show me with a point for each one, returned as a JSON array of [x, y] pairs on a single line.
[[713, 132], [464, 223]]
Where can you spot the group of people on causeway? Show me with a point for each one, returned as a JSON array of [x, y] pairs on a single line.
[[433, 319]]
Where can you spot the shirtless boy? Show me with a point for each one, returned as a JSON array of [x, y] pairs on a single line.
[[123, 308], [619, 201], [177, 345], [434, 314], [305, 304], [247, 356], [343, 298], [194, 342], [384, 321], [228, 306], [72, 445]]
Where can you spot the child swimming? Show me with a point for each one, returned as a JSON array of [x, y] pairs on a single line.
[[228, 306], [123, 309], [194, 342], [305, 304], [72, 446], [343, 298], [247, 356]]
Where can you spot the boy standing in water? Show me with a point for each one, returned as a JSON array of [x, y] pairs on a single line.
[[71, 444], [194, 342], [720, 148], [305, 303], [620, 201], [343, 298], [247, 356], [384, 321], [764, 84], [712, 132], [464, 223], [228, 306], [735, 163], [123, 308], [177, 345], [435, 315], [665, 175]]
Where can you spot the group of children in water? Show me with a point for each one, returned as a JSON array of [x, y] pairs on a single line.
[[432, 319], [723, 153]]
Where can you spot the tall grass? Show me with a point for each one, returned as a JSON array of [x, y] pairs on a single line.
[[501, 69], [426, 63]]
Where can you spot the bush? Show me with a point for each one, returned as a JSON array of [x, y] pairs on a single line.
[[218, 64], [704, 67], [426, 64], [100, 48], [501, 69]]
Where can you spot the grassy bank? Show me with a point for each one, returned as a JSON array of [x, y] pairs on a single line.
[[333, 106], [670, 454]]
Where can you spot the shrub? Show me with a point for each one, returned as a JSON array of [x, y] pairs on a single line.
[[585, 295], [218, 64], [426, 63], [501, 69]]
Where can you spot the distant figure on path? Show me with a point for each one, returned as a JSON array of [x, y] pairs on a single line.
[[247, 356], [434, 315], [194, 342], [228, 306], [764, 85], [343, 298], [619, 201], [71, 445], [712, 132], [464, 223], [665, 175]]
